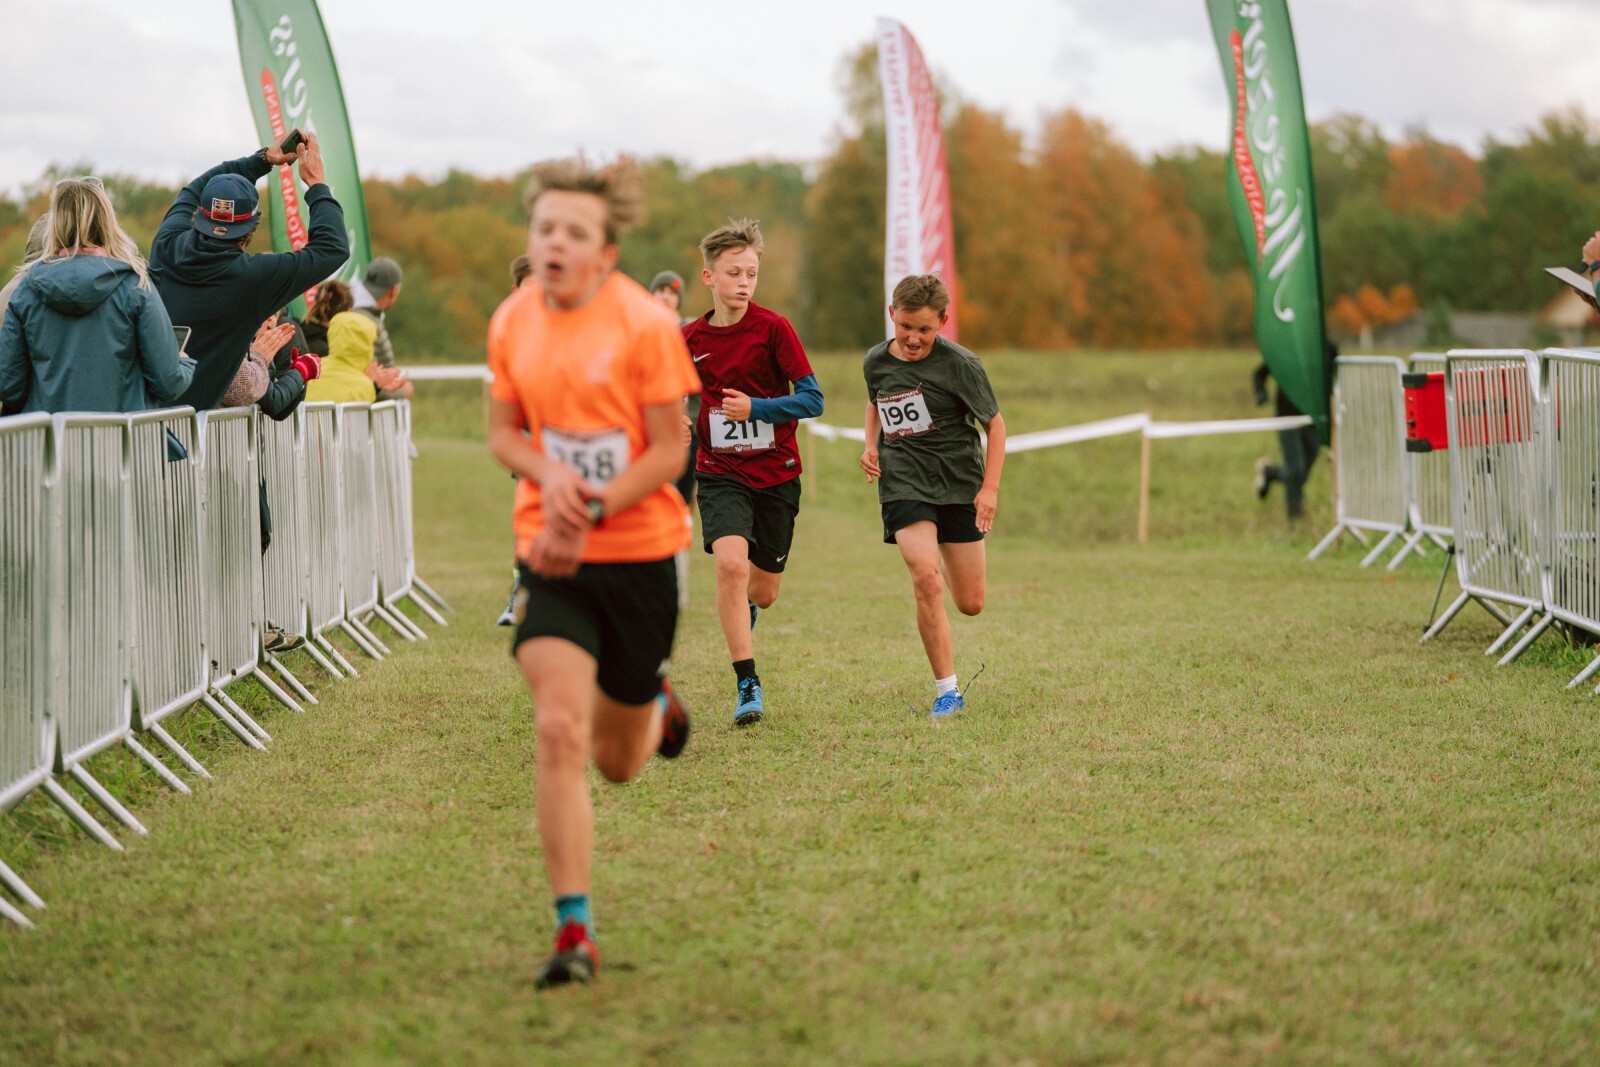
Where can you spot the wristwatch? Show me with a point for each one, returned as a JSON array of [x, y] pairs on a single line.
[[597, 509]]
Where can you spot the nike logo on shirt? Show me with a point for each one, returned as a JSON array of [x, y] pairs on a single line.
[[697, 359]]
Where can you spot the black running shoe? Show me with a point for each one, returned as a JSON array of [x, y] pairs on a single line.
[[674, 723], [575, 959]]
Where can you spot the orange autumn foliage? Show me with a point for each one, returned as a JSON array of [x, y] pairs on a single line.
[[1429, 175], [1126, 263], [1369, 307]]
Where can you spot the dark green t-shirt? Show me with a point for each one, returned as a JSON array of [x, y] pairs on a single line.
[[928, 446]]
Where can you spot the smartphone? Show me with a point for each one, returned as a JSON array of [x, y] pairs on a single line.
[[293, 141], [181, 333]]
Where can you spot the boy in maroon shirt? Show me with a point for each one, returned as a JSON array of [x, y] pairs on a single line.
[[749, 464]]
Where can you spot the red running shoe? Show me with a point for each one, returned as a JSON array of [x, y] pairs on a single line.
[[674, 723], [575, 959]]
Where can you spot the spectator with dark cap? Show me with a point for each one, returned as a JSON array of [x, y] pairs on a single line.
[[208, 281], [374, 295]]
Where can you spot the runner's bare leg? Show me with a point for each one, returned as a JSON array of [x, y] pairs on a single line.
[[965, 570], [919, 547], [734, 575], [561, 678], [625, 737]]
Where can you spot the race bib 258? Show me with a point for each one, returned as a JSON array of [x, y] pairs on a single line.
[[596, 455]]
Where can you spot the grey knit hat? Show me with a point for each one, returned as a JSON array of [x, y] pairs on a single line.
[[382, 274], [667, 279]]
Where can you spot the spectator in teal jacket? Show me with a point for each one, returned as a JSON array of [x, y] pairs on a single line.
[[85, 330]]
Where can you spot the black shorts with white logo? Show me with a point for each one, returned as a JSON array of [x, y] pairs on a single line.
[[622, 614], [957, 523], [763, 517]]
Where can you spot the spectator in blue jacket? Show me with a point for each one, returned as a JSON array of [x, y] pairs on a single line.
[[85, 330], [211, 285]]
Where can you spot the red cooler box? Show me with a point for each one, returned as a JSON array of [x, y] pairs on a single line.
[[1425, 422]]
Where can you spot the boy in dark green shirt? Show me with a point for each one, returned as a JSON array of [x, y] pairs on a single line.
[[937, 488]]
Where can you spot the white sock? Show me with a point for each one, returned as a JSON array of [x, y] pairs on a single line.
[[945, 685]]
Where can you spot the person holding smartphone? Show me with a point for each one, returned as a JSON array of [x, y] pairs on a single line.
[[211, 283]]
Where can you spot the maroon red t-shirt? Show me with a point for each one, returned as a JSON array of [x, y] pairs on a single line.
[[759, 355]]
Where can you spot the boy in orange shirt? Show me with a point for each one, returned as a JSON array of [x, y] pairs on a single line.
[[595, 371]]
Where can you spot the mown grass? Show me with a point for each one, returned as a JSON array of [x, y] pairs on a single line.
[[1210, 804]]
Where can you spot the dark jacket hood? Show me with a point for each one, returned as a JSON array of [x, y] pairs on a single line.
[[77, 285], [197, 259]]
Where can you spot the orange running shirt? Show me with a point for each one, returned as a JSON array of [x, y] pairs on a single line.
[[583, 379]]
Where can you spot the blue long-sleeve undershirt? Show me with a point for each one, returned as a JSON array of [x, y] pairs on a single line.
[[804, 403]]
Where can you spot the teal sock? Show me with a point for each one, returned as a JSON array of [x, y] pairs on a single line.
[[574, 906]]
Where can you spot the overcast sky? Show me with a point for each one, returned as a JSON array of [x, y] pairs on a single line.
[[153, 87]]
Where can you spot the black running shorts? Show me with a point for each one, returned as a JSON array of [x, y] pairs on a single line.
[[622, 614], [763, 517], [957, 523]]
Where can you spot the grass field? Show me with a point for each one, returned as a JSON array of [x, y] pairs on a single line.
[[1210, 803]]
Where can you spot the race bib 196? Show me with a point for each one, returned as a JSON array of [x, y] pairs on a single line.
[[751, 435], [596, 455], [904, 414]]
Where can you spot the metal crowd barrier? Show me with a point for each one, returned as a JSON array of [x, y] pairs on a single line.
[[133, 579], [324, 532], [1492, 409], [167, 646], [230, 530], [392, 487], [91, 692], [27, 735], [1430, 482], [1570, 386], [358, 505], [1373, 491]]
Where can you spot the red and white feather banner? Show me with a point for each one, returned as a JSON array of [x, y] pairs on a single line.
[[921, 237]]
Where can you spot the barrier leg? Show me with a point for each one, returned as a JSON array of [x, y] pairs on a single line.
[[1449, 613], [1586, 674], [231, 723], [103, 795], [361, 642], [405, 620], [79, 815], [422, 587], [19, 887], [1413, 544], [161, 769], [1510, 631], [327, 646], [294, 683], [1444, 546], [277, 692], [393, 623], [241, 715], [1327, 542], [1494, 609], [323, 661], [172, 746], [366, 631], [427, 609], [1383, 545], [9, 911], [1529, 638]]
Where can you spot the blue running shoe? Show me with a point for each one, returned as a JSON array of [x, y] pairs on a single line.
[[754, 611], [750, 709], [948, 704]]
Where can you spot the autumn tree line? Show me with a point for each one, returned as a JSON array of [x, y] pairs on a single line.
[[1071, 240]]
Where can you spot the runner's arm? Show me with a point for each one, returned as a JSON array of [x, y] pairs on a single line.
[[804, 403], [994, 461], [666, 451], [869, 454]]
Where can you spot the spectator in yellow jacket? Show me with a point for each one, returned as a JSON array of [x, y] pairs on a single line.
[[344, 371]]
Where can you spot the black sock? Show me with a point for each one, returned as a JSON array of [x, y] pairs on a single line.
[[746, 668]]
